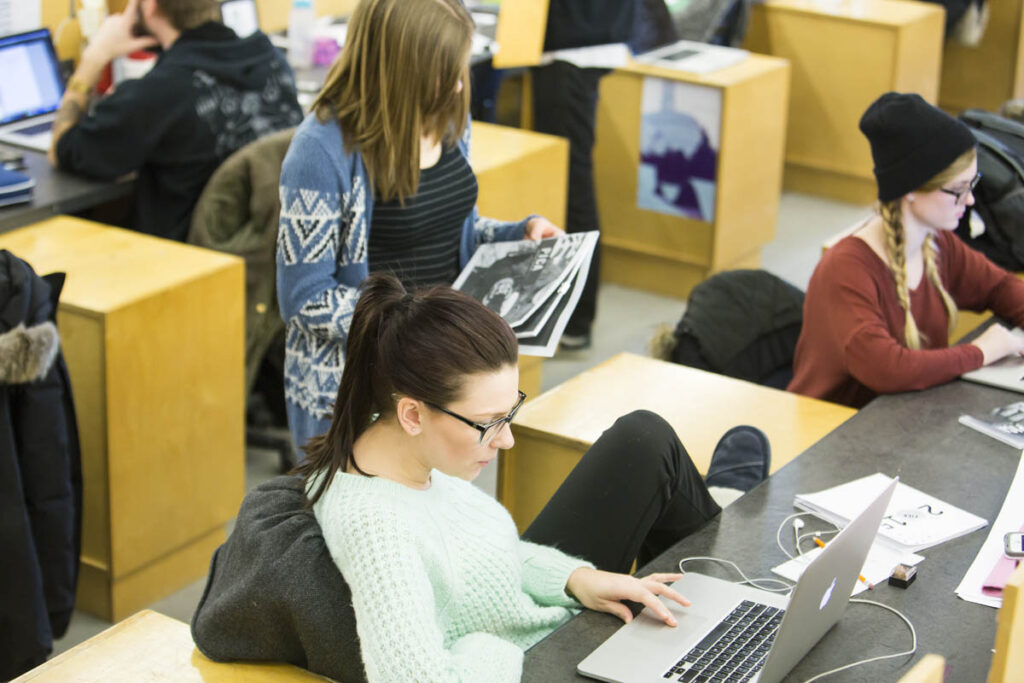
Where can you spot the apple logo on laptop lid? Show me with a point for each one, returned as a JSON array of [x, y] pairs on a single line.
[[827, 596]]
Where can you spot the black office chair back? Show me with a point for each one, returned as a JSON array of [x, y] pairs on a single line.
[[741, 323]]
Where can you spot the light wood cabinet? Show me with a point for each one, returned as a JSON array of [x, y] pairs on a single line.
[[670, 254], [153, 334], [845, 53]]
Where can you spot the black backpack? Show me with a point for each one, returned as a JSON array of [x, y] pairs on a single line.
[[999, 196]]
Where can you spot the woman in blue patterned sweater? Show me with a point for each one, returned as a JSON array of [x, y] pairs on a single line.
[[377, 178]]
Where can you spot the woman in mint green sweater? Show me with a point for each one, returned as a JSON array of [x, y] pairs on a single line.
[[443, 588]]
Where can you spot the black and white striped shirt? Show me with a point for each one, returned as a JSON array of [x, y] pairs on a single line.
[[419, 242]]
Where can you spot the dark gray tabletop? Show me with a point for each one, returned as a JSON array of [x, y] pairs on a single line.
[[57, 192], [914, 435]]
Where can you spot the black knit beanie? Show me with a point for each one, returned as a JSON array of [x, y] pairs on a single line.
[[911, 142]]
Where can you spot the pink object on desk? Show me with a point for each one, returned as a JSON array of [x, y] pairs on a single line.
[[1000, 574], [325, 49]]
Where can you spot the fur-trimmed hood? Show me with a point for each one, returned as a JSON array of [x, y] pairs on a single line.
[[26, 353], [28, 337]]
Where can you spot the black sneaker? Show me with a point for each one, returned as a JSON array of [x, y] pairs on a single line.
[[741, 459]]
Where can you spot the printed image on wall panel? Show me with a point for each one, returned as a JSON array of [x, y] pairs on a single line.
[[680, 134]]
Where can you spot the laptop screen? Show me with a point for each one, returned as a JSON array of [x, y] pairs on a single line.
[[240, 16], [30, 82]]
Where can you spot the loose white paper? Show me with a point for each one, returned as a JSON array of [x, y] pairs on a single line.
[[17, 16], [1010, 518], [881, 560], [610, 56]]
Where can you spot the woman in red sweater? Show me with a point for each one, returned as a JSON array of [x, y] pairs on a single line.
[[883, 301]]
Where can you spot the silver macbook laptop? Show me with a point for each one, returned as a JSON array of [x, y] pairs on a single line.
[[30, 89], [736, 632], [1007, 373]]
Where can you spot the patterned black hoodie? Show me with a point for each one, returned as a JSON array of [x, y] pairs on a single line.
[[209, 94]]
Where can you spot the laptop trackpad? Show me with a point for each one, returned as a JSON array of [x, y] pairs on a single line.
[[652, 637], [649, 626]]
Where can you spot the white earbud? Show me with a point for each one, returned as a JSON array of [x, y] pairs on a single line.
[[798, 524]]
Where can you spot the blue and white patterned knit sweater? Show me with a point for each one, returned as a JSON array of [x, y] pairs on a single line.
[[322, 247]]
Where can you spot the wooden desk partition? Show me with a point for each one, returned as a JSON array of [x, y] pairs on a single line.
[[274, 13], [520, 172], [554, 431], [520, 33], [987, 75], [149, 646], [845, 53], [1008, 659], [669, 254], [153, 334], [930, 669]]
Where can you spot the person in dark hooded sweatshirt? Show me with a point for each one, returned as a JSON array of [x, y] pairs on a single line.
[[209, 94]]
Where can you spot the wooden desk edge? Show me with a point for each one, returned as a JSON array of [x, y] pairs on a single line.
[[753, 66], [88, 644], [921, 10]]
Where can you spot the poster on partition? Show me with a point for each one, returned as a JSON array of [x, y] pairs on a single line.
[[680, 135]]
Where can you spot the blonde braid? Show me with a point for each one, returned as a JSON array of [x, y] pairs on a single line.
[[896, 252], [932, 270]]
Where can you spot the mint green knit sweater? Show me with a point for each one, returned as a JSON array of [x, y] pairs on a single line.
[[442, 586]]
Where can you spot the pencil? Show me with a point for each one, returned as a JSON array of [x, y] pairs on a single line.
[[821, 544]]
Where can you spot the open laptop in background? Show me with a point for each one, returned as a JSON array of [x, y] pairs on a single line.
[[710, 630], [30, 89], [241, 16], [1007, 373]]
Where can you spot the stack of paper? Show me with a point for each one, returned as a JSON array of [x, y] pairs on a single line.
[[1010, 518], [1005, 423], [913, 521], [534, 286]]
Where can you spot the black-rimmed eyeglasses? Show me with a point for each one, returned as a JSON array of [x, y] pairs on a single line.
[[487, 431], [961, 195]]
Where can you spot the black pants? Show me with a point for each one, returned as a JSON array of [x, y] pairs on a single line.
[[633, 495], [565, 104]]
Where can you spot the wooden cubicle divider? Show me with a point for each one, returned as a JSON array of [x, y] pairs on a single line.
[[670, 254], [845, 53], [149, 646], [1008, 659], [520, 33], [992, 72], [153, 334], [274, 13], [931, 669]]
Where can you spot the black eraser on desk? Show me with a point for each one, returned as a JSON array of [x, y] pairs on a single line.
[[902, 576]]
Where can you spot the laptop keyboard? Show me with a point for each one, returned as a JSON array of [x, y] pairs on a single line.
[[735, 649], [36, 129]]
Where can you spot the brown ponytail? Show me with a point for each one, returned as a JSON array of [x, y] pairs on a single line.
[[422, 345]]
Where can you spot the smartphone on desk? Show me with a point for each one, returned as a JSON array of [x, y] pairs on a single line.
[[1013, 545]]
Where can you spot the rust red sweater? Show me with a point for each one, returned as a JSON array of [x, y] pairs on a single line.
[[851, 346]]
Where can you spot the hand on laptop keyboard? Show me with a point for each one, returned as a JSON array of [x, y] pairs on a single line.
[[605, 591]]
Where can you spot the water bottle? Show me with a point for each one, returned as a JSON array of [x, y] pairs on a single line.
[[301, 23]]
